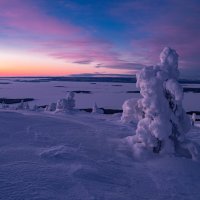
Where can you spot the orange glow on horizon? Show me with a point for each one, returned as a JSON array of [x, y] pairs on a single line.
[[15, 63], [26, 64]]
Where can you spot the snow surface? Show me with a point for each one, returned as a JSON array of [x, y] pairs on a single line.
[[82, 156]]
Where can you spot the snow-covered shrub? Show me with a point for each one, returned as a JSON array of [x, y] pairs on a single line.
[[131, 111], [67, 104], [35, 108], [95, 109], [23, 106], [26, 106], [51, 107], [70, 101], [61, 105], [164, 123], [193, 118], [20, 105], [4, 105]]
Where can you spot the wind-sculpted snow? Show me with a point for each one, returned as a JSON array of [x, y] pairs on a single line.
[[84, 157]]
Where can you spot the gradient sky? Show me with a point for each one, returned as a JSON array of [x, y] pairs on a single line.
[[62, 37]]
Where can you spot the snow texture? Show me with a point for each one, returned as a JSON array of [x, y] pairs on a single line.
[[48, 156]]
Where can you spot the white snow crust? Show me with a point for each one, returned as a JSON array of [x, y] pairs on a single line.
[[83, 156]]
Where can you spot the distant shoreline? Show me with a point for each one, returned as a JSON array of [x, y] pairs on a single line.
[[130, 79]]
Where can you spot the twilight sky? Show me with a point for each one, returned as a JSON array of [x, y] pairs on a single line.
[[62, 37]]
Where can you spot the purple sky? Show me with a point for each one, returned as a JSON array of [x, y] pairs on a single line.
[[60, 37]]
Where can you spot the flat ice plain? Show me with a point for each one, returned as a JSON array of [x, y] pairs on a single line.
[[105, 94]]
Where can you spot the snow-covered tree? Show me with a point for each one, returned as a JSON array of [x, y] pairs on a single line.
[[66, 104], [23, 106], [51, 107], [96, 109], [164, 122], [71, 101], [131, 111], [61, 105]]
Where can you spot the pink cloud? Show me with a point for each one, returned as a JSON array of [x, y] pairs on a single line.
[[78, 50], [178, 28], [184, 40], [154, 25], [25, 16], [48, 35]]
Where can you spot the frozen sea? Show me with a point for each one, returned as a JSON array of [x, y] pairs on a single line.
[[105, 94]]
